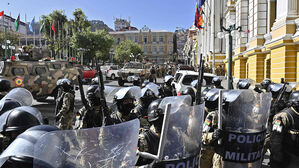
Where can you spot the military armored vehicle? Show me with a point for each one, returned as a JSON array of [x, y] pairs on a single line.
[[133, 72], [38, 76]]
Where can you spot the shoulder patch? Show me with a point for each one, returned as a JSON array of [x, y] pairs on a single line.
[[277, 126]]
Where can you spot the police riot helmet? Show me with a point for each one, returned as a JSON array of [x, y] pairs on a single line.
[[92, 96], [147, 96], [243, 84], [216, 81], [189, 91], [265, 83], [294, 100], [125, 98], [144, 84], [205, 91], [66, 84], [154, 112], [21, 154], [19, 120], [4, 85], [168, 79], [9, 104]]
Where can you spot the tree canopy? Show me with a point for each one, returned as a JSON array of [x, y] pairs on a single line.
[[125, 49]]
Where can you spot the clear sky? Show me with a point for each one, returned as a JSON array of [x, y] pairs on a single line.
[[156, 14]]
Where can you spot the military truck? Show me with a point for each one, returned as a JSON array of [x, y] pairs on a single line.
[[133, 72], [39, 77]]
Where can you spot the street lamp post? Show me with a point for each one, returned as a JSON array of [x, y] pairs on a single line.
[[232, 31]]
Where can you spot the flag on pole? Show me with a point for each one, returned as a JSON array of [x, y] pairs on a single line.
[[53, 28], [32, 24], [42, 28], [17, 23], [198, 14], [1, 14]]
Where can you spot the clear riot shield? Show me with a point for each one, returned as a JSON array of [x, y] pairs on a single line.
[[136, 92], [176, 102], [183, 136], [153, 87], [245, 126], [110, 92], [106, 147], [21, 95]]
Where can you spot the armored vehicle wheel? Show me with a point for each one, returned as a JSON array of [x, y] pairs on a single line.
[[120, 82]]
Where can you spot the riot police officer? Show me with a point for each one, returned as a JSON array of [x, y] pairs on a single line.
[[125, 101], [92, 117], [15, 122], [21, 154], [284, 137], [265, 83], [65, 105], [167, 89], [147, 97], [148, 140], [217, 82], [190, 91]]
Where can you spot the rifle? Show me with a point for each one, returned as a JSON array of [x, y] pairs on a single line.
[[200, 79], [279, 98], [83, 99], [103, 103]]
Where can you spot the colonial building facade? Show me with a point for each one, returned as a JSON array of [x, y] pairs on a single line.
[[157, 46], [269, 43]]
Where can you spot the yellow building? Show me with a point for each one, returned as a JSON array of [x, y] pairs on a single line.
[[157, 46], [269, 45]]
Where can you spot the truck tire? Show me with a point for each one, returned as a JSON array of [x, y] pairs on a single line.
[[112, 77], [120, 82]]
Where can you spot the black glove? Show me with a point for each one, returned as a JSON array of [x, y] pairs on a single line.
[[217, 134]]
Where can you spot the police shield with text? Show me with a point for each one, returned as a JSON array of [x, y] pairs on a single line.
[[243, 130]]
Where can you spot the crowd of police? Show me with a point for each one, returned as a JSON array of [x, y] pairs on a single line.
[[19, 122]]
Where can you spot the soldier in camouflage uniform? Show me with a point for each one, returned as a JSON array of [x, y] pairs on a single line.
[[148, 140], [92, 117], [65, 107], [284, 137]]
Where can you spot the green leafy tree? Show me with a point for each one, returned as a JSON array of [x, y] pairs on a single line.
[[124, 50], [93, 44], [80, 24]]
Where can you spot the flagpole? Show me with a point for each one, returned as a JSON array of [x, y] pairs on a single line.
[[26, 30], [40, 36], [33, 30], [51, 40]]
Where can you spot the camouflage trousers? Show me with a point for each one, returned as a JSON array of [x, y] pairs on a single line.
[[206, 157], [65, 124]]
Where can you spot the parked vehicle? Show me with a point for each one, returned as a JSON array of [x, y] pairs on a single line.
[[183, 79], [112, 71], [86, 71], [133, 72]]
